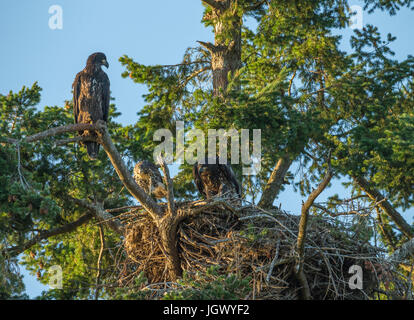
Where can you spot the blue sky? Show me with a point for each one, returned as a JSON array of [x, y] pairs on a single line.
[[151, 32]]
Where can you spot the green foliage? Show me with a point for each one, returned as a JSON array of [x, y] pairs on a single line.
[[210, 286], [11, 281], [36, 180], [294, 83]]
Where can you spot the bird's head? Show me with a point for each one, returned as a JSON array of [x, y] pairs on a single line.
[[97, 59]]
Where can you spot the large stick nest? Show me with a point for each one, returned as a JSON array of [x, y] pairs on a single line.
[[260, 245]]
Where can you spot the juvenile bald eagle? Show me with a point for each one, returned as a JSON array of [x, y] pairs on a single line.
[[148, 177], [214, 179], [91, 97]]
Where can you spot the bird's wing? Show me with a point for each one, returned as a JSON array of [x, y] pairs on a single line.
[[197, 180], [76, 92], [231, 177], [105, 97], [155, 172]]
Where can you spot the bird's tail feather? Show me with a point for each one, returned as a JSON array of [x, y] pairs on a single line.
[[93, 149]]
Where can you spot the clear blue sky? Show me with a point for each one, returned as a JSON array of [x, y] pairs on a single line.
[[151, 32]]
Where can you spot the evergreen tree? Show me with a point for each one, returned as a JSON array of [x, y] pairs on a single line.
[[287, 77]]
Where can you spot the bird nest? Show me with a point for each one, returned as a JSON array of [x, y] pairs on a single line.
[[257, 245]]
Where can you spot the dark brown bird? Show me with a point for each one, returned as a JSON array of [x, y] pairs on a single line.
[[214, 179], [91, 97], [148, 177]]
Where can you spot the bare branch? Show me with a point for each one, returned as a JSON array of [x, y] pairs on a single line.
[[272, 264], [124, 175], [113, 155], [362, 211], [169, 186], [73, 140], [306, 206], [58, 130], [300, 245], [208, 45], [181, 64], [114, 210], [98, 274], [53, 132]]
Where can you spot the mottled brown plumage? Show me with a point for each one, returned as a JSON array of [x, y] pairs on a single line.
[[91, 97], [213, 178], [148, 177]]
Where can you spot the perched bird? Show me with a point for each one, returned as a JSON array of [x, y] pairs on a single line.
[[148, 177], [91, 97], [214, 179]]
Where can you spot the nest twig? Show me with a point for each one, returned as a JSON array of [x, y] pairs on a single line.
[[261, 245]]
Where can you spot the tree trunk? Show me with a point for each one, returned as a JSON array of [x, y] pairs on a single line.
[[273, 186], [226, 50], [303, 223], [168, 231]]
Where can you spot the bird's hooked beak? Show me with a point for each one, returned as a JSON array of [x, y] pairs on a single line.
[[105, 63]]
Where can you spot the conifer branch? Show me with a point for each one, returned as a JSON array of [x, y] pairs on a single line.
[[385, 205], [43, 235]]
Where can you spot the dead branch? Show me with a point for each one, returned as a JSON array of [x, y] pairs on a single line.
[[272, 265], [169, 186], [116, 210], [361, 211], [124, 175], [302, 231], [209, 46], [98, 274], [53, 132], [73, 140]]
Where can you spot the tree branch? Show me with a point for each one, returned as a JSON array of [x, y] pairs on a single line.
[[113, 154], [73, 140], [404, 252], [124, 175], [256, 6], [181, 64], [384, 204], [98, 274], [300, 245], [99, 212], [169, 186], [214, 4], [193, 75], [15, 251], [208, 45], [58, 130]]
